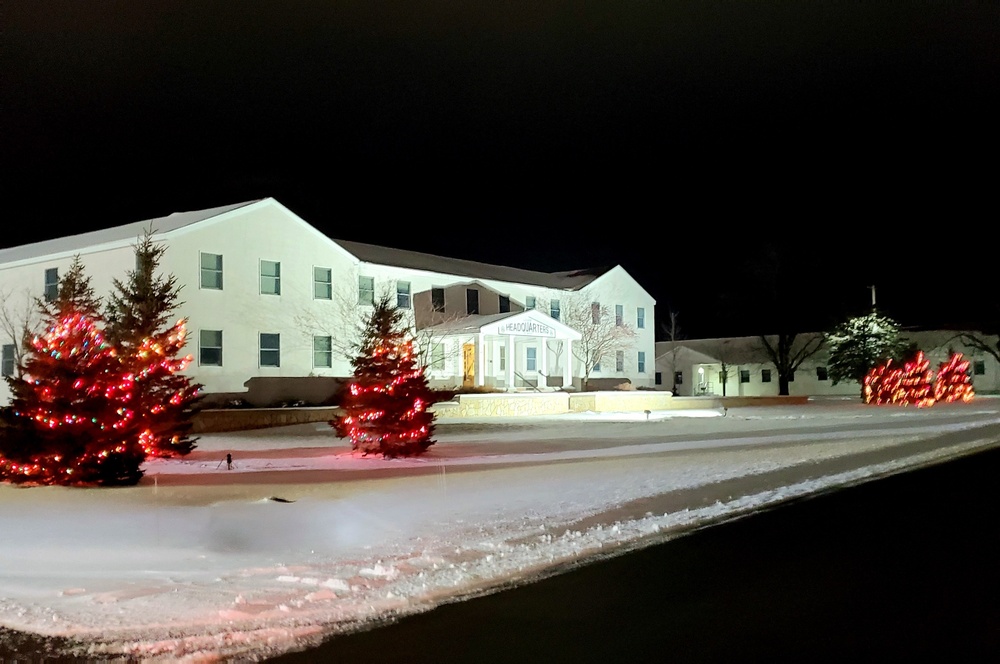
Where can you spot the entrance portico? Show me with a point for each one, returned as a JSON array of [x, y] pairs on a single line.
[[524, 349]]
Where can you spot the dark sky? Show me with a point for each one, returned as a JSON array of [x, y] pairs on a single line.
[[680, 139]]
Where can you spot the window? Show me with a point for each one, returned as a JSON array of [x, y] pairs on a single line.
[[531, 361], [7, 360], [744, 375], [678, 378], [979, 368], [659, 378], [595, 312], [529, 302], [640, 318], [322, 352], [504, 304], [619, 315], [554, 309], [791, 377], [270, 278], [437, 357], [210, 348], [366, 290], [403, 294], [619, 360], [437, 299], [471, 301], [597, 366], [821, 373], [642, 362], [270, 350], [765, 375], [322, 283], [51, 284], [211, 271], [503, 358]]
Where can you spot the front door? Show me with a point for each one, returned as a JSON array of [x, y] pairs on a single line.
[[468, 365]]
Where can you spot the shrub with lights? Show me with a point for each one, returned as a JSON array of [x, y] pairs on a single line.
[[385, 405], [913, 382]]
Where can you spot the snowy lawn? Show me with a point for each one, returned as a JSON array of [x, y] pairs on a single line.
[[302, 539]]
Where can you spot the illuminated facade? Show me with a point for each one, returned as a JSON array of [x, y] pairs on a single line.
[[267, 295]]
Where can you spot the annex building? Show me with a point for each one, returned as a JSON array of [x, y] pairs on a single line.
[[268, 296]]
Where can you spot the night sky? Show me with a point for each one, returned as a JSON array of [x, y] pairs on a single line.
[[714, 149]]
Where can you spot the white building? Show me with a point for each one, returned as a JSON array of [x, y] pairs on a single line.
[[696, 366], [268, 296]]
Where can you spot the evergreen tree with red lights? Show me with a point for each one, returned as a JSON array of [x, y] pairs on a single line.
[[953, 382], [73, 421], [149, 347], [385, 405]]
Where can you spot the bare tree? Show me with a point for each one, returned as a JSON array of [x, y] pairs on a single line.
[[19, 318], [673, 333], [601, 334], [723, 352], [787, 351]]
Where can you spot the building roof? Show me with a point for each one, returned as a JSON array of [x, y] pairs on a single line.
[[125, 233], [370, 253]]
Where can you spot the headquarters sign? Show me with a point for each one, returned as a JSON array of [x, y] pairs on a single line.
[[525, 327]]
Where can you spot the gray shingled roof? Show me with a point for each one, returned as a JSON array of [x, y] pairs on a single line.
[[117, 234], [370, 253]]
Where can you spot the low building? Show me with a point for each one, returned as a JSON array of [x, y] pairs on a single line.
[[739, 366], [268, 296]]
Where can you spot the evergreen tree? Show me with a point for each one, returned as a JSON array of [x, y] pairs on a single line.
[[385, 406], [861, 343], [138, 324], [72, 420]]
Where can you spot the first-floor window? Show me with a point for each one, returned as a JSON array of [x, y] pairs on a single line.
[[323, 352], [7, 360], [642, 362], [678, 378], [821, 373], [437, 357], [270, 350], [744, 375], [979, 368], [620, 360], [503, 358], [210, 348], [765, 375], [597, 366], [531, 359], [659, 378]]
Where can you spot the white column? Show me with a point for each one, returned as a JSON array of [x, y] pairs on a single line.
[[480, 360], [568, 365], [510, 361], [543, 361]]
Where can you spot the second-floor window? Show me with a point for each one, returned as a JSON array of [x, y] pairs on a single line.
[[322, 283], [554, 309], [51, 284], [403, 294], [471, 301], [595, 312], [640, 318], [366, 290], [211, 271], [529, 302], [270, 278], [504, 304], [619, 315], [437, 299]]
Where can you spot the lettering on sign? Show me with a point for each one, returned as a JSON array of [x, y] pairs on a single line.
[[526, 328]]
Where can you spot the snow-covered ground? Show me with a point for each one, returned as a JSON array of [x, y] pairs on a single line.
[[301, 539]]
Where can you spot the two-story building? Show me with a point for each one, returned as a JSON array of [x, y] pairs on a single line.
[[267, 295]]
